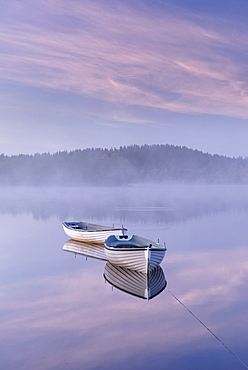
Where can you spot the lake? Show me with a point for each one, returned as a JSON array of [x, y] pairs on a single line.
[[57, 310]]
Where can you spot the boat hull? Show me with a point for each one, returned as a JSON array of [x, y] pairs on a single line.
[[142, 260], [134, 252], [93, 233]]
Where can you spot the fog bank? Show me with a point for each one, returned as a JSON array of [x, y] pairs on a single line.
[[141, 203]]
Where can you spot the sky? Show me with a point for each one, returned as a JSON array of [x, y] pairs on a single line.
[[76, 74]]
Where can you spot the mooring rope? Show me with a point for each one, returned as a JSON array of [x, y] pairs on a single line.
[[210, 331]]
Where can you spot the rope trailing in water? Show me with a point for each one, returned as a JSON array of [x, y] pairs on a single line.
[[210, 331]]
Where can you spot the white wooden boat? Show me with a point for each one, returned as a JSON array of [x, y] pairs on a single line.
[[146, 286], [93, 250], [134, 252], [86, 232]]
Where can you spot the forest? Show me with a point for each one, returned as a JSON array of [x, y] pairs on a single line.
[[121, 166]]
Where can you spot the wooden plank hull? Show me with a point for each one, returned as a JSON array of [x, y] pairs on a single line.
[[136, 283], [92, 250], [134, 252], [142, 260], [90, 232]]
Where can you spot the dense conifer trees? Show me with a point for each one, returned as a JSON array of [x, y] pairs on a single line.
[[122, 166]]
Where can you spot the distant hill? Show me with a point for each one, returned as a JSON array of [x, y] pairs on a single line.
[[122, 166]]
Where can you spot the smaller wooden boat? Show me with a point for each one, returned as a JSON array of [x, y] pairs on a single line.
[[136, 283], [134, 252], [92, 250], [86, 232]]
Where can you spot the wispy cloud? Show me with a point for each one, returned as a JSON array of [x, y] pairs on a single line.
[[215, 283], [127, 56]]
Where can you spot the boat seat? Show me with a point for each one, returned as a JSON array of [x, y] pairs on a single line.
[[128, 245]]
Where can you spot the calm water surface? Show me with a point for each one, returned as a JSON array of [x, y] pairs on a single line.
[[58, 312]]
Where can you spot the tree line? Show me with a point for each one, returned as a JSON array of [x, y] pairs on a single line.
[[121, 166]]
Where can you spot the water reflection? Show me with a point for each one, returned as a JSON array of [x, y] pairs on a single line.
[[136, 283], [142, 285], [56, 312], [93, 250]]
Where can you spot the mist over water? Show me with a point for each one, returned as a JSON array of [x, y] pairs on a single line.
[[57, 311], [167, 202]]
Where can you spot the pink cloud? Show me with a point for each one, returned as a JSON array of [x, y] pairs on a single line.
[[160, 61]]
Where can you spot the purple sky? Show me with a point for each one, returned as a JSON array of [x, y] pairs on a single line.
[[83, 73]]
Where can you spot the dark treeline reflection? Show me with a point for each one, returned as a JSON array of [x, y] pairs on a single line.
[[126, 165], [146, 204]]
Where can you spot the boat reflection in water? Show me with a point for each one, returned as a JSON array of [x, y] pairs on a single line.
[[93, 250], [142, 285]]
